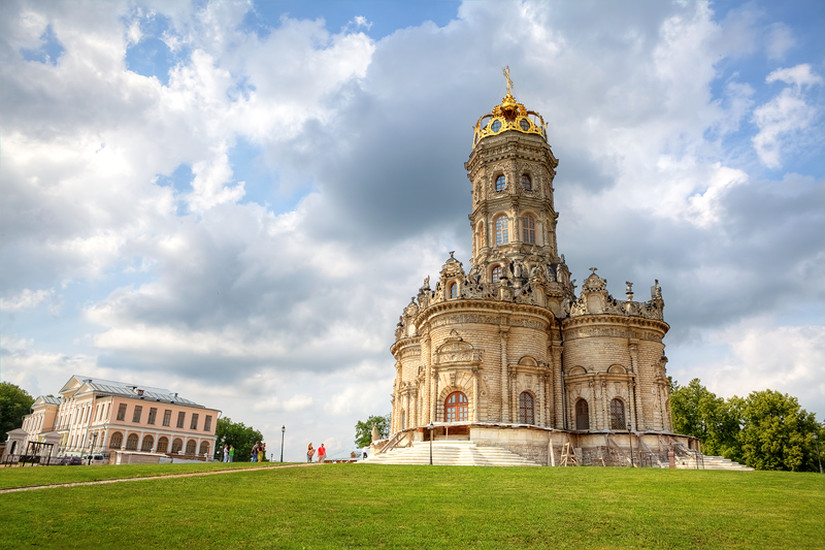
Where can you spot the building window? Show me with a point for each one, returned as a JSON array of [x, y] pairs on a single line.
[[153, 413], [194, 424], [528, 229], [453, 290], [617, 419], [502, 230], [207, 424], [137, 413], [132, 442], [495, 275], [181, 416], [148, 442], [501, 183], [582, 415], [121, 412], [167, 417], [163, 444], [116, 441], [204, 448], [526, 182], [525, 408], [177, 445], [455, 407], [190, 447]]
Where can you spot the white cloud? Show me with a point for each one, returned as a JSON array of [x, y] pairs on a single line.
[[786, 115], [764, 355], [26, 299]]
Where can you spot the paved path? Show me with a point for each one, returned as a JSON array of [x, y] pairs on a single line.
[[190, 474]]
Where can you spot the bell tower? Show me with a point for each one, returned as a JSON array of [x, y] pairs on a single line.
[[511, 169]]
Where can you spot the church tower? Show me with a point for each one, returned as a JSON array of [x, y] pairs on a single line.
[[506, 354]]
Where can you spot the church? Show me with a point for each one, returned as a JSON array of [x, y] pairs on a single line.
[[506, 354]]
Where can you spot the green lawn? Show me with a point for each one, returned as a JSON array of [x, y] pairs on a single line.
[[29, 476], [372, 506]]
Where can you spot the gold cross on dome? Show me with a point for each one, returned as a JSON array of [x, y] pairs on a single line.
[[509, 82]]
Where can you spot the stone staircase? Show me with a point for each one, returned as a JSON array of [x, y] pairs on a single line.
[[712, 463], [451, 453]]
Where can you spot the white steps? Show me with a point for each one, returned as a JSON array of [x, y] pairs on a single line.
[[451, 453], [712, 463]]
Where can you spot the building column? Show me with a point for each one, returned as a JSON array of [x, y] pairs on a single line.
[[542, 400], [558, 390], [634, 395], [476, 396], [434, 398], [406, 416], [504, 333]]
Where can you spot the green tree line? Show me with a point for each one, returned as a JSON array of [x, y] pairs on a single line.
[[766, 430]]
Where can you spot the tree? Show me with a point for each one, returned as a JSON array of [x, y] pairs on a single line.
[[363, 430], [699, 412], [777, 434], [238, 435], [15, 403]]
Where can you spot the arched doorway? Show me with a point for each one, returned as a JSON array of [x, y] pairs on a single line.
[[148, 443], [455, 407], [190, 447], [582, 415]]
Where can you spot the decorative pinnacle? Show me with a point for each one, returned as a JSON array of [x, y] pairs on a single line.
[[506, 72]]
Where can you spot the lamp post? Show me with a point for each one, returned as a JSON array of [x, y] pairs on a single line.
[[818, 460], [283, 430], [92, 447], [431, 443]]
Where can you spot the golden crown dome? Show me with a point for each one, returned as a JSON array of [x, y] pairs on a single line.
[[509, 115]]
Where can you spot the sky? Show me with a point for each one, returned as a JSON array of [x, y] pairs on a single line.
[[235, 200]]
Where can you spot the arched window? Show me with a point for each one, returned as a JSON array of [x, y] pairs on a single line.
[[190, 447], [495, 274], [455, 407], [163, 445], [116, 441], [526, 182], [525, 408], [453, 290], [617, 419], [204, 450], [582, 415], [502, 230], [132, 442], [528, 229], [177, 445], [148, 442], [501, 183]]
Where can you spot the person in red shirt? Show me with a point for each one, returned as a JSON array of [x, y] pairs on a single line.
[[322, 453]]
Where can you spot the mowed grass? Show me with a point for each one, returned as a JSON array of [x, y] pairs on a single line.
[[31, 476], [373, 506]]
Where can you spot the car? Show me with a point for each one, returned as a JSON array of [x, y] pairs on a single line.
[[72, 461]]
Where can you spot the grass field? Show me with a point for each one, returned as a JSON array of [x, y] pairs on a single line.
[[373, 506]]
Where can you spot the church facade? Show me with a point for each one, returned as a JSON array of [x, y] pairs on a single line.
[[507, 353]]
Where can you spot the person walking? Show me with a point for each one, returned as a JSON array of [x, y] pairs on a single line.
[[225, 453], [322, 454], [231, 453], [310, 452], [254, 456], [261, 452]]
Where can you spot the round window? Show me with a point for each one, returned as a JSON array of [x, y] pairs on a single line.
[[495, 126], [524, 124]]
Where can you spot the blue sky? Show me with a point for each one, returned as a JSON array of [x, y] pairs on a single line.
[[234, 200]]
